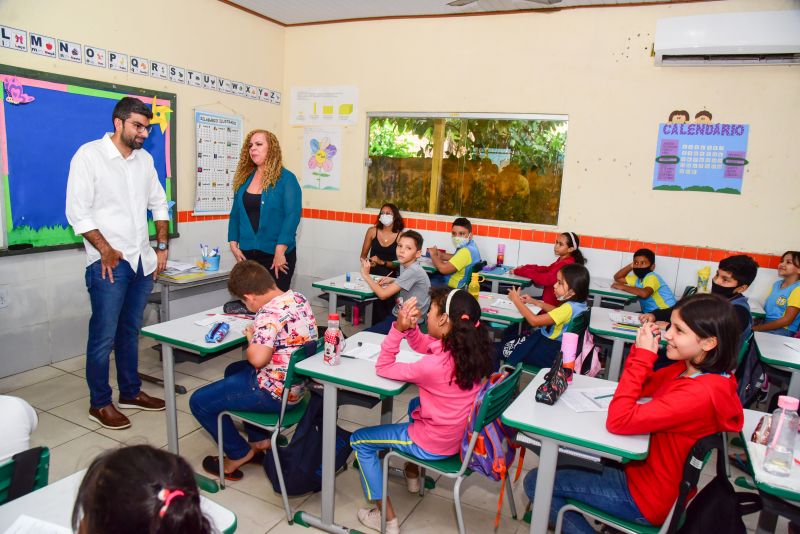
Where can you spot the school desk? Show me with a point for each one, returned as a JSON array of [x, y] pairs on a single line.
[[495, 278], [356, 289], [53, 503], [600, 288], [756, 309], [491, 311], [601, 326], [779, 495], [782, 352], [185, 334], [194, 292], [354, 375], [559, 426]]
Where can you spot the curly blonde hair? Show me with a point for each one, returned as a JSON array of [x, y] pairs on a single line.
[[272, 166]]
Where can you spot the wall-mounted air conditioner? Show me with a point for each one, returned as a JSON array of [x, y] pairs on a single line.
[[756, 38]]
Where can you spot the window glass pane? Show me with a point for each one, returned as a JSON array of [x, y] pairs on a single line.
[[502, 169]]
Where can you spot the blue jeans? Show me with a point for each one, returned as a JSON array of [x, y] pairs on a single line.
[[384, 326], [606, 490], [117, 311], [368, 442], [237, 391]]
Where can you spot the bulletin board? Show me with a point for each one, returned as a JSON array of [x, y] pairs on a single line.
[[44, 119]]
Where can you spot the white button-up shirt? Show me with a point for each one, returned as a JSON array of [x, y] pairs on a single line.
[[112, 194]]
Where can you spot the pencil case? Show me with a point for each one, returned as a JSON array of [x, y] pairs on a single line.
[[218, 332]]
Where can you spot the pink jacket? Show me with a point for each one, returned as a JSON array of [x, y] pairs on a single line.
[[439, 422]]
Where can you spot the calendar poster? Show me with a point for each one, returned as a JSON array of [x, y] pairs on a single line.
[[219, 140], [701, 157]]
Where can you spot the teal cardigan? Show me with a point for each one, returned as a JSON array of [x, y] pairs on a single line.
[[281, 207]]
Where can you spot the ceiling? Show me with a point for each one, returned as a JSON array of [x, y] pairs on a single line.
[[297, 12]]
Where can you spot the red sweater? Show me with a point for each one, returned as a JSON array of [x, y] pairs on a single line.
[[545, 276], [682, 411]]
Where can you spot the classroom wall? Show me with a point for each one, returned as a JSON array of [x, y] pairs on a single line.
[[593, 65], [48, 314]]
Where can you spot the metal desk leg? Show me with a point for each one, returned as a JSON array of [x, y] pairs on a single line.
[[328, 467], [169, 397], [332, 302], [495, 286], [386, 410], [163, 316], [794, 384], [615, 364], [548, 458], [368, 310], [596, 300]]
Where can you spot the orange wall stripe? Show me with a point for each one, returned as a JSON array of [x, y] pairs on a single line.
[[538, 236]]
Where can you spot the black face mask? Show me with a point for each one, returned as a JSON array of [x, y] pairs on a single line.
[[722, 291], [641, 272]]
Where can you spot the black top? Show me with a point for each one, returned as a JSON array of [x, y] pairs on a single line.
[[252, 205], [387, 253]]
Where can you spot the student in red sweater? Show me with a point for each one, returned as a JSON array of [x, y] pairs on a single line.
[[692, 398], [567, 248]]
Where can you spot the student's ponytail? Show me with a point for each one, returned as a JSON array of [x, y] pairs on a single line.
[[574, 241], [468, 340]]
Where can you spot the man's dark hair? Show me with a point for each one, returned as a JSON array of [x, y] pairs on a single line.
[[646, 253], [129, 105], [464, 222], [415, 236], [250, 278], [743, 269]]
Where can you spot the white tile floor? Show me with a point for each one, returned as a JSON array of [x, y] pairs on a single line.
[[59, 394]]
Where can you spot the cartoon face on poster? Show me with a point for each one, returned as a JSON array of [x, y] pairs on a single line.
[[699, 154]]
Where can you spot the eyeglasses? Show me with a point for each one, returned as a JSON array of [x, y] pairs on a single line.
[[141, 127]]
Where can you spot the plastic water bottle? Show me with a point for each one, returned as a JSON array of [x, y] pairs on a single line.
[[474, 286], [569, 349], [780, 449], [333, 341], [501, 254]]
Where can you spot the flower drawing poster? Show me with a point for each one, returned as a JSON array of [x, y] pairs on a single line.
[[322, 157]]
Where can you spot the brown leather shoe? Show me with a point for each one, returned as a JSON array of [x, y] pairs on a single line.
[[142, 401], [109, 417]]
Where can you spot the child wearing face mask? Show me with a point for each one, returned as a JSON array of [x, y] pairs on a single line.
[[380, 249], [541, 347], [453, 267], [639, 279], [567, 251]]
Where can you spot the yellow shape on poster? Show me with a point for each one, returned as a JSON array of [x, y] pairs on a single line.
[[345, 109], [327, 110]]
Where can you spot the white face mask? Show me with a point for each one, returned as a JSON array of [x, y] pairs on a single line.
[[459, 242], [386, 219]]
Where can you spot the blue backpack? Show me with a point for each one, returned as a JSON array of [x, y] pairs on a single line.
[[495, 449]]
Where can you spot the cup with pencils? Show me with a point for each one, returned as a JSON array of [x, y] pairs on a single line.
[[210, 258]]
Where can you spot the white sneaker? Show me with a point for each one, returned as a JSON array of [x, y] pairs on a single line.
[[412, 484], [371, 517]]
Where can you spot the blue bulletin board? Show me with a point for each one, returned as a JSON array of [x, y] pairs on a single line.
[[44, 119], [701, 157]]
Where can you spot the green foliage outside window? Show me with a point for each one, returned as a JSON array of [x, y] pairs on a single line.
[[489, 168]]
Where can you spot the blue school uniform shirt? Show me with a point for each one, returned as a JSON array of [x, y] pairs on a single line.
[[778, 300], [662, 297], [563, 317]]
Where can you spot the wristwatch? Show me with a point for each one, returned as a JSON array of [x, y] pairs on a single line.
[[162, 246]]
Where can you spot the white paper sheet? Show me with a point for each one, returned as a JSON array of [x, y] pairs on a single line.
[[363, 351], [588, 399], [26, 524]]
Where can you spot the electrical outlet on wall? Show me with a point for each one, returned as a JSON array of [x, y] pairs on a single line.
[[3, 296]]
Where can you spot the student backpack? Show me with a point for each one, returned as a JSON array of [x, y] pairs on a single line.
[[495, 449], [718, 508], [751, 376], [301, 459]]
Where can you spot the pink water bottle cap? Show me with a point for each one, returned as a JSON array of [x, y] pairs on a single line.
[[788, 403], [333, 316], [569, 346], [501, 247]]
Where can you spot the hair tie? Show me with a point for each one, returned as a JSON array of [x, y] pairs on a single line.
[[464, 317], [477, 323], [166, 497]]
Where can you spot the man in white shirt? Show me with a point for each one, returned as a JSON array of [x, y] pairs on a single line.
[[112, 183]]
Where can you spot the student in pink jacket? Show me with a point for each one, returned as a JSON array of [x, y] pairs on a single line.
[[457, 358]]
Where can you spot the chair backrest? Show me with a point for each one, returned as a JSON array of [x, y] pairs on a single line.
[[744, 349], [34, 480], [579, 324], [498, 398], [308, 349], [692, 467], [688, 291], [474, 268]]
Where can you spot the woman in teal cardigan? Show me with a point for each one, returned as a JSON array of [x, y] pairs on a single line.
[[266, 209]]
